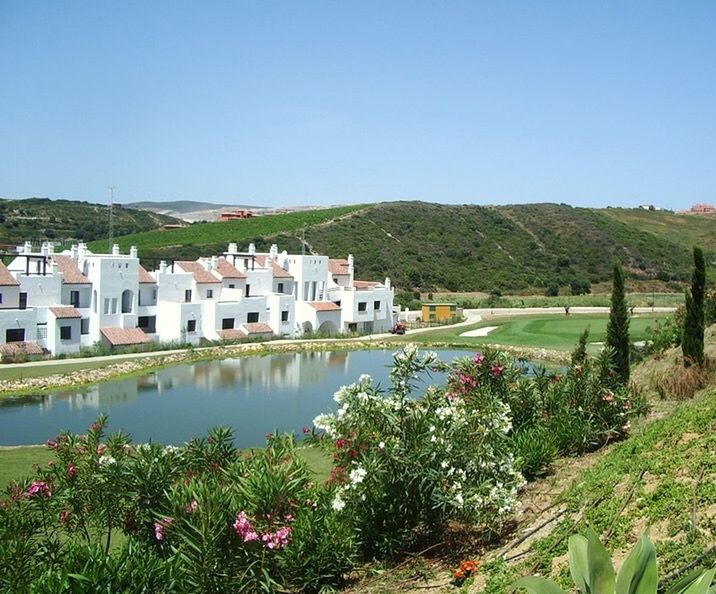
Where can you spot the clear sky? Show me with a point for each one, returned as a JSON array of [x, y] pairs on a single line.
[[301, 102]]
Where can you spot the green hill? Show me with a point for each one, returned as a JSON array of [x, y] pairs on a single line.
[[466, 247], [38, 219]]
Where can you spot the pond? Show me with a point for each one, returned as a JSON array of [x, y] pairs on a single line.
[[253, 395]]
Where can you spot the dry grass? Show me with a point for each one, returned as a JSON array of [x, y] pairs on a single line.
[[681, 382]]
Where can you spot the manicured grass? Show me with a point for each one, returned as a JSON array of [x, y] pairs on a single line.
[[15, 373], [230, 231], [557, 332], [16, 463], [649, 299]]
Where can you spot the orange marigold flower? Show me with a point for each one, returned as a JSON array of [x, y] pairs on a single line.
[[459, 574], [468, 566]]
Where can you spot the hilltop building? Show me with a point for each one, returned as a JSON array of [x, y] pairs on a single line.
[[700, 209], [58, 303]]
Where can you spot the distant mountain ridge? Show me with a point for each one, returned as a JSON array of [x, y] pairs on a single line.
[[40, 219], [469, 247], [184, 206]]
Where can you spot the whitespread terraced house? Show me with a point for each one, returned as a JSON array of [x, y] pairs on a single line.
[[59, 303]]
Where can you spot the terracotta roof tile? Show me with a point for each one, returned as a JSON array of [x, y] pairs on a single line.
[[256, 328], [226, 269], [201, 274], [124, 336], [65, 312], [278, 271], [7, 279], [145, 277], [365, 285], [71, 274], [324, 305], [231, 334], [16, 348], [338, 266]]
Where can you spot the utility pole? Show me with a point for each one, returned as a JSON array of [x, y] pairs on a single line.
[[111, 216]]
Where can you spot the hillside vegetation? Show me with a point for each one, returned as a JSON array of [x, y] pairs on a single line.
[[38, 219], [466, 247]]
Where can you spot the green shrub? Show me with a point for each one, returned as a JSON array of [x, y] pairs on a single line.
[[535, 451]]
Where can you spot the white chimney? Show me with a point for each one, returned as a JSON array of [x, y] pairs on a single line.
[[205, 263], [28, 247], [233, 248], [133, 251], [350, 271], [273, 252], [387, 283], [214, 263], [115, 249], [252, 248], [73, 252], [162, 267], [81, 249], [45, 250], [51, 247]]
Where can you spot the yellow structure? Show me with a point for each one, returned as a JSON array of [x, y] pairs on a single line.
[[439, 312]]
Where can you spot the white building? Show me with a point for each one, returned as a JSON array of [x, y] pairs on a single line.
[[58, 303]]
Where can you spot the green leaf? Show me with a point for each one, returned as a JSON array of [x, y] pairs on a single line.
[[579, 563], [537, 585], [638, 573], [701, 585], [601, 570]]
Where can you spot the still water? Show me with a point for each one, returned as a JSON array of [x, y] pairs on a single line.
[[254, 395]]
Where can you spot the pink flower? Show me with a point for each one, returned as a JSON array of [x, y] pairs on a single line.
[[158, 531], [72, 471], [65, 517], [52, 444], [288, 517], [191, 508], [278, 539], [608, 397], [101, 449], [306, 430], [244, 528], [496, 370], [39, 488], [479, 358], [95, 426]]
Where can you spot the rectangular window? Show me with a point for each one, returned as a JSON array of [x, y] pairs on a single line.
[[227, 324], [14, 335], [433, 316], [147, 324], [23, 301], [453, 308], [232, 286], [0, 297], [42, 331], [280, 287], [106, 305], [114, 305], [376, 305], [139, 297], [362, 305], [84, 326], [431, 307], [187, 295], [191, 326], [75, 298], [209, 293], [284, 316], [252, 316], [248, 287], [154, 294], [65, 332]]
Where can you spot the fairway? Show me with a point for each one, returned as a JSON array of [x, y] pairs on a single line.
[[540, 331]]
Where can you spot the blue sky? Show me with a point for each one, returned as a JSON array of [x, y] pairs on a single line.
[[286, 103]]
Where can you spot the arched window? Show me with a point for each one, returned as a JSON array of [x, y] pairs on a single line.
[[127, 298]]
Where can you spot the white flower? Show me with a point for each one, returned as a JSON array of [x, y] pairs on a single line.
[[433, 439], [381, 445], [459, 500], [431, 428], [365, 379], [444, 464], [341, 394], [342, 410], [106, 460], [338, 503], [357, 475]]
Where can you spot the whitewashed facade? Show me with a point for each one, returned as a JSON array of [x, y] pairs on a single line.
[[58, 303]]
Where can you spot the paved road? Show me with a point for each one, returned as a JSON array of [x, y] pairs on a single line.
[[472, 316]]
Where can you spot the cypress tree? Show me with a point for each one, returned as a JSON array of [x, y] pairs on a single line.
[[618, 326], [692, 343], [579, 354]]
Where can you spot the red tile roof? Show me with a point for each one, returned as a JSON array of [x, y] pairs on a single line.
[[338, 266], [124, 336], [226, 269], [231, 334], [201, 274], [324, 305], [145, 277], [65, 312], [71, 274], [7, 279], [16, 348], [278, 271], [364, 285], [256, 328]]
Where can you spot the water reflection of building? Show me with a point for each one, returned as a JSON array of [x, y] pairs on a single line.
[[286, 370]]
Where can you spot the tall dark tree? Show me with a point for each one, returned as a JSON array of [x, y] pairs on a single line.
[[692, 343], [618, 326]]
